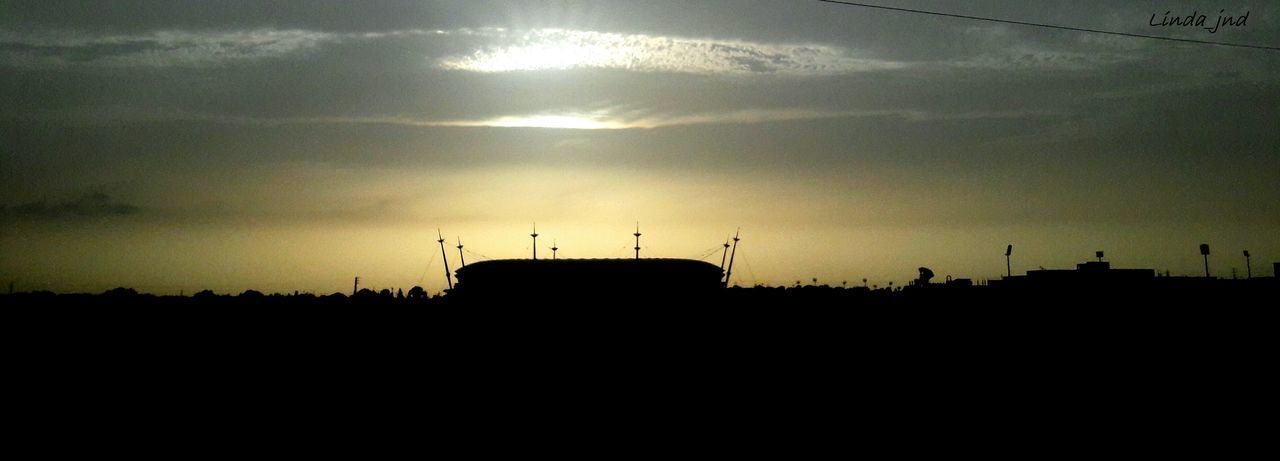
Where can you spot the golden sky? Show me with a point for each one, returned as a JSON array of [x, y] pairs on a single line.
[[284, 147]]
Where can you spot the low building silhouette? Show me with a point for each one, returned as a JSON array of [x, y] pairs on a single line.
[[573, 278], [1087, 274]]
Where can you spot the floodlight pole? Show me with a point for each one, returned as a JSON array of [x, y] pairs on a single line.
[[1007, 266], [725, 254], [637, 234], [1204, 251], [535, 241], [1248, 265], [732, 254], [445, 256], [460, 257]]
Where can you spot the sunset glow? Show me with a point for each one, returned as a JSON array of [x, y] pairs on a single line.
[[283, 146]]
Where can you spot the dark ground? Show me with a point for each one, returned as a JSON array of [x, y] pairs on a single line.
[[770, 371]]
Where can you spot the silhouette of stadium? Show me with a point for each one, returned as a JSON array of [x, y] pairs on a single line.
[[507, 278]]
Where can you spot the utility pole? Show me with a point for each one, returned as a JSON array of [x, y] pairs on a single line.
[[448, 278], [637, 234], [732, 254]]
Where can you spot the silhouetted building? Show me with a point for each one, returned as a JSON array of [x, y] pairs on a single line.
[[1092, 273], [543, 279]]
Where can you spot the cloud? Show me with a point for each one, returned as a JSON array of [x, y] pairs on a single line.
[[90, 205], [617, 119], [1031, 58], [155, 49], [1007, 48], [612, 118], [560, 49], [494, 50]]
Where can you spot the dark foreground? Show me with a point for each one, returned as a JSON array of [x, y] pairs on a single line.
[[771, 370], [911, 317]]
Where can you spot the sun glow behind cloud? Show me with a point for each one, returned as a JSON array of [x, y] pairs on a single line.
[[609, 118], [560, 49], [574, 121]]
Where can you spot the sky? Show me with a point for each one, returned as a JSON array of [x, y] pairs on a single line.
[[279, 146]]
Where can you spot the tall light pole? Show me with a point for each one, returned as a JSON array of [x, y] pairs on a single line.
[[1248, 265], [1008, 267], [460, 257], [732, 254], [637, 234], [725, 254], [445, 256], [1204, 251], [535, 241]]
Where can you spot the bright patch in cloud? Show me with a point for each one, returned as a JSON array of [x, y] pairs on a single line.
[[619, 120], [559, 49], [577, 122]]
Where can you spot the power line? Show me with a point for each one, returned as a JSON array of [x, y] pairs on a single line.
[[429, 261], [1051, 26]]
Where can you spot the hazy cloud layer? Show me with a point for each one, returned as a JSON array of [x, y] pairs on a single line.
[[89, 205], [156, 49], [497, 50]]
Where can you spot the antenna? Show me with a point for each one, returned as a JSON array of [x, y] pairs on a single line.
[[535, 241], [637, 234], [460, 258], [355, 286], [1007, 267], [733, 253], [553, 249], [445, 256], [725, 254], [1248, 265], [1204, 251]]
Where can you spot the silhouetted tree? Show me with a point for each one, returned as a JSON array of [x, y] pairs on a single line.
[[364, 294], [120, 292]]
